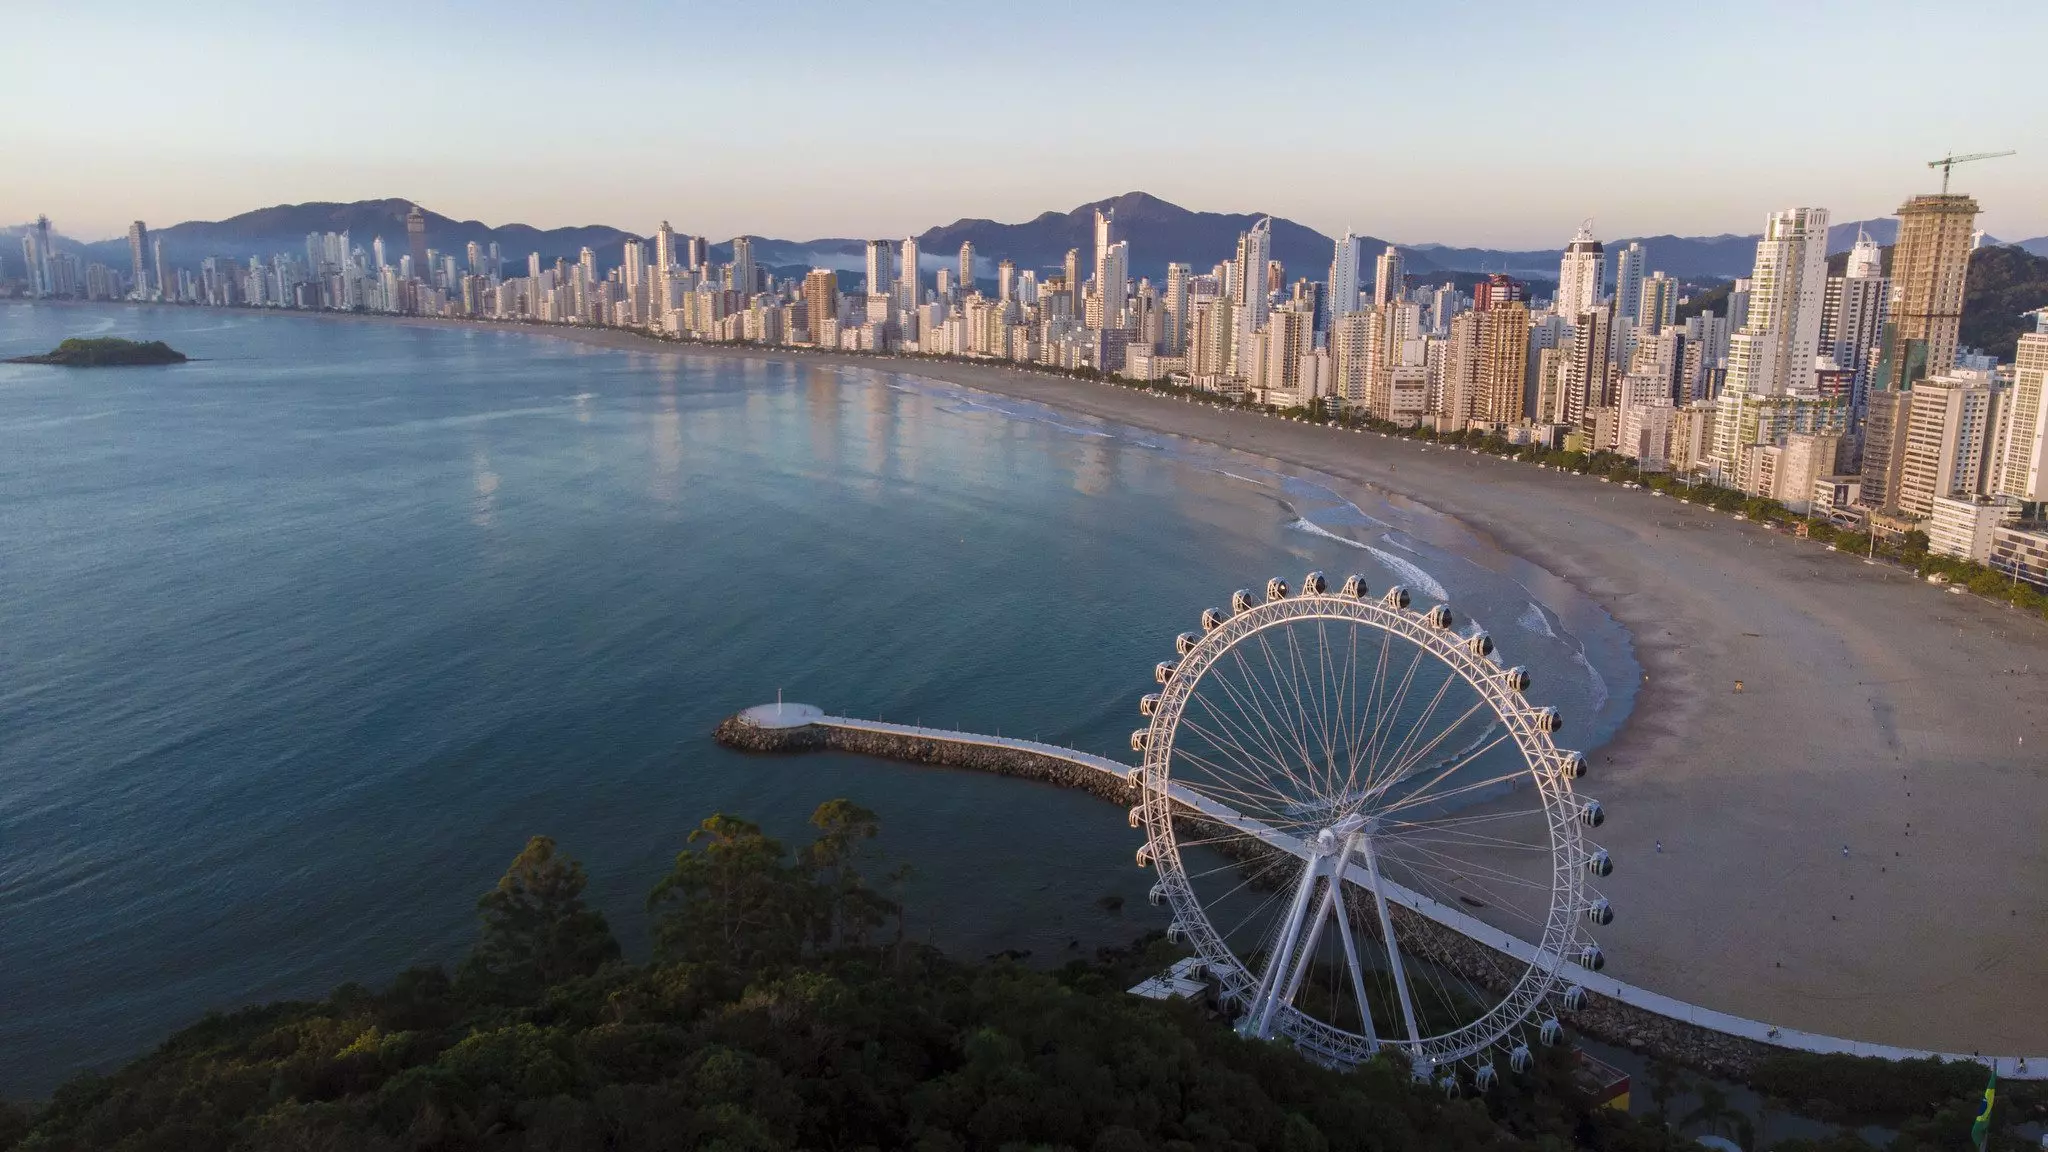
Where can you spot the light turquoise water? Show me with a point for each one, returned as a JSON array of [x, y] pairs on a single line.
[[299, 642]]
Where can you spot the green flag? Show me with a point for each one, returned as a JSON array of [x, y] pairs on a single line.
[[1981, 1130]]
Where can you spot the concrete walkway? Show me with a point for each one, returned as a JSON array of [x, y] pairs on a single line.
[[2009, 1067]]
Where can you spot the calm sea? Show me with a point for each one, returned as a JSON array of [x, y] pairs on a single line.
[[301, 641]]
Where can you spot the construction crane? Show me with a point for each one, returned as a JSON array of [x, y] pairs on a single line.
[[1951, 160]]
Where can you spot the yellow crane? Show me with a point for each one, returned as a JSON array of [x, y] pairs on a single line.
[[1951, 160]]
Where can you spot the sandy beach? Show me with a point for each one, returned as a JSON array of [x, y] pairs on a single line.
[[1876, 712]]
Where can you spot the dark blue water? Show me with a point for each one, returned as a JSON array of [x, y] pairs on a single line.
[[299, 643]]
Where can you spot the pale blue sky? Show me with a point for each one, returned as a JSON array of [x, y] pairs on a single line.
[[1495, 124]]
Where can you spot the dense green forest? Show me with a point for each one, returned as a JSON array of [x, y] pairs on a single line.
[[2003, 282], [783, 1008]]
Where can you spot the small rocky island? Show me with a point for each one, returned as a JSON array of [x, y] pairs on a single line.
[[106, 352]]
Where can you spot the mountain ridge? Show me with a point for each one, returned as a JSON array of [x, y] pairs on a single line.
[[1158, 230]]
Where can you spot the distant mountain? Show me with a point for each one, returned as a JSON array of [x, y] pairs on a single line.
[[1159, 233], [283, 228], [2004, 283]]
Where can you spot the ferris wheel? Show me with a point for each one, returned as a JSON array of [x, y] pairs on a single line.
[[1366, 833]]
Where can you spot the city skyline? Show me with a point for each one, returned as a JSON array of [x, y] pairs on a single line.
[[699, 120]]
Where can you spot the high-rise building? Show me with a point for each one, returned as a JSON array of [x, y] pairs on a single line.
[[909, 279], [1929, 263], [1659, 303], [1112, 276], [138, 257], [1589, 371], [1388, 282], [967, 267], [821, 301], [1853, 312], [1175, 309], [1496, 290], [416, 240], [1071, 267], [1774, 351], [1488, 375], [664, 250], [2023, 465], [1343, 294], [881, 268], [1630, 265], [1109, 282], [1006, 280], [698, 251], [164, 288], [743, 279], [1580, 274], [1948, 440], [1254, 253]]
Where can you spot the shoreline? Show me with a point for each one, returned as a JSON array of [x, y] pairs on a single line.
[[1859, 682]]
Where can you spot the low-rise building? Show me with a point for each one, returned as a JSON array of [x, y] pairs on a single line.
[[2020, 550], [1963, 525]]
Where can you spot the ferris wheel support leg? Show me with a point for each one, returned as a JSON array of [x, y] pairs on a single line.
[[1315, 938], [1260, 1022], [1372, 869], [1372, 1037]]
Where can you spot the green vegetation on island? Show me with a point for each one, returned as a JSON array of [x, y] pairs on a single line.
[[785, 1006], [106, 352], [2003, 284]]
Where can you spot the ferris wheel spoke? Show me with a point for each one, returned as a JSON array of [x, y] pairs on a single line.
[[1250, 702], [1386, 722], [1417, 757], [1247, 770], [1361, 738], [1326, 761], [1233, 732], [1426, 797], [1398, 762], [1270, 705], [1425, 879], [1288, 704]]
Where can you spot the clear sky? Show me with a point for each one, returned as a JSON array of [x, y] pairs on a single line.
[[1467, 123]]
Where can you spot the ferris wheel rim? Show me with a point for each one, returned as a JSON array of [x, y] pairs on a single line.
[[1563, 937]]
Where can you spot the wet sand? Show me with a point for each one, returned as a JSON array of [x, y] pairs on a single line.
[[1876, 711]]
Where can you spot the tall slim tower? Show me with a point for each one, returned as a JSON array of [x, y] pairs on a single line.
[[1343, 296], [1175, 306], [881, 269], [1112, 275], [1254, 253], [1389, 281], [416, 241], [1773, 353], [1852, 317], [664, 250], [1929, 262], [2024, 471], [1109, 281], [743, 265], [1580, 274], [966, 267], [908, 279], [1073, 273], [1629, 267], [138, 257]]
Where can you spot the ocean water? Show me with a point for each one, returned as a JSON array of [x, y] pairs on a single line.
[[299, 642]]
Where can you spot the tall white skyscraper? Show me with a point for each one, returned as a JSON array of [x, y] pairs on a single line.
[[1343, 297], [1853, 312], [1112, 272], [1773, 352], [743, 265], [908, 279], [1580, 275], [1109, 282], [881, 268], [1629, 269], [1389, 280], [664, 250], [1176, 308], [1254, 252]]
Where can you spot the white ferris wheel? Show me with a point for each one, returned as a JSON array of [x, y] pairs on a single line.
[[1343, 799]]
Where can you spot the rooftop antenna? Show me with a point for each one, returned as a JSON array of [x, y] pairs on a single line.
[[1951, 160]]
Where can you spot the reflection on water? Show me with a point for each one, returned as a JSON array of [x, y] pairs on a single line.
[[306, 637]]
